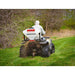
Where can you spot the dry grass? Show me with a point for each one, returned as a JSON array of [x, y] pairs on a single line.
[[61, 33]]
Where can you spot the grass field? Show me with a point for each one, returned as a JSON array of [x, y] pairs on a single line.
[[64, 55]]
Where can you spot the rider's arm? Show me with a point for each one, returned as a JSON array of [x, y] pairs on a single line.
[[42, 30]]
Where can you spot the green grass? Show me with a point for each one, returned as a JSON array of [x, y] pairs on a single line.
[[64, 55]]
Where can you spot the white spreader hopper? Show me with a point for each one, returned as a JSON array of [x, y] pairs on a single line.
[[31, 34]]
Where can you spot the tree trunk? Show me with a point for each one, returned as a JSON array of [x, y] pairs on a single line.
[[46, 26]]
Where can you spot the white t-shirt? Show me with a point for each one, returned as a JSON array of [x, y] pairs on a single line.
[[38, 27]]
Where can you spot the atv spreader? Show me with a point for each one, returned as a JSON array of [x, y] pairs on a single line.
[[36, 47]]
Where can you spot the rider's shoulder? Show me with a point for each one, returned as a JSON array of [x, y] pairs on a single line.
[[40, 26]]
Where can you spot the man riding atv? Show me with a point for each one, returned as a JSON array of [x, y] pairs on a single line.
[[35, 44], [38, 28]]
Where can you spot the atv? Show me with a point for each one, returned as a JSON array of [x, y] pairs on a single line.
[[36, 47]]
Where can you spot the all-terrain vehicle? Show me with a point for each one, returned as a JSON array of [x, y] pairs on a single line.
[[36, 47]]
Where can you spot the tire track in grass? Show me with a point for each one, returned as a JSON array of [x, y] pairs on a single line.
[[58, 52], [58, 49]]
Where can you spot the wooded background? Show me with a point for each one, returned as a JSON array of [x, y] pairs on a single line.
[[14, 21]]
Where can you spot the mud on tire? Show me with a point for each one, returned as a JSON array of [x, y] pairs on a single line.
[[22, 51], [27, 49]]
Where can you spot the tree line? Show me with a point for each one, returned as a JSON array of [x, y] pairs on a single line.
[[14, 21]]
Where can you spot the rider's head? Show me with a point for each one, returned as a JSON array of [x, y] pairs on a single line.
[[37, 22]]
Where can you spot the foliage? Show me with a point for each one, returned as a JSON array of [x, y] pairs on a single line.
[[69, 19], [51, 19], [14, 21]]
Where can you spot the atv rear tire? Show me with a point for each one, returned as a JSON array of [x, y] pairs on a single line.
[[45, 51], [27, 49]]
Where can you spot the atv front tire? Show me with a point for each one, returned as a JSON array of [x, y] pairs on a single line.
[[45, 51], [52, 48]]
